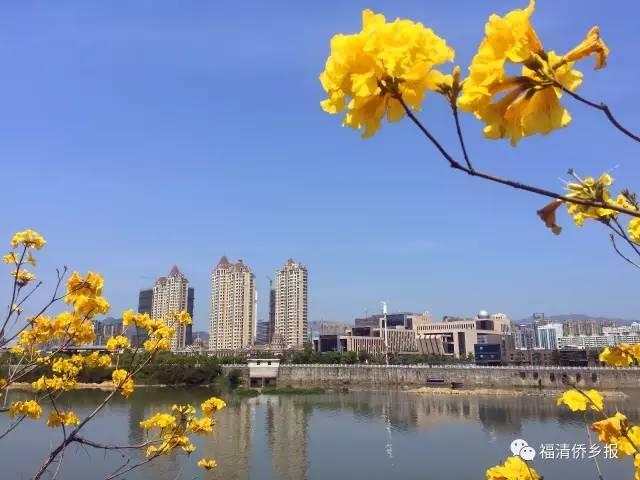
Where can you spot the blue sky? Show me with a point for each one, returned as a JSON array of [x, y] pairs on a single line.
[[138, 135]]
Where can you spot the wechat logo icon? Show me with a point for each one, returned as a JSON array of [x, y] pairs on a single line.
[[520, 448]]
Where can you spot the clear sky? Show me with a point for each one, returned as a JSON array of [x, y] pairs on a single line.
[[138, 135]]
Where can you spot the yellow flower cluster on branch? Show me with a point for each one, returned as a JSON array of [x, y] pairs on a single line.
[[29, 408], [175, 427], [622, 355], [57, 419], [207, 464], [158, 331], [123, 382], [596, 191], [368, 71], [118, 342], [617, 431], [28, 239], [514, 468], [516, 106]]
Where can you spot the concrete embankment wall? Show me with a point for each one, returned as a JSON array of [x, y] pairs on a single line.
[[487, 377]]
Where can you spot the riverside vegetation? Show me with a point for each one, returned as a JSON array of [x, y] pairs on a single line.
[[386, 69]]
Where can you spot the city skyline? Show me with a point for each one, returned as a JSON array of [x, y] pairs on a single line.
[[413, 233]]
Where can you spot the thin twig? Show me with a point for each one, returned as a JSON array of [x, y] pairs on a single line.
[[453, 163], [624, 257], [603, 108]]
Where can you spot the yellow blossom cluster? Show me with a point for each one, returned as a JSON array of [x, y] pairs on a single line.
[[118, 342], [158, 332], [617, 431], [123, 381], [28, 239], [596, 191], [207, 464], [23, 276], [579, 401], [175, 427], [57, 419], [29, 408], [514, 468], [368, 71], [85, 294], [621, 355], [94, 360], [516, 106]]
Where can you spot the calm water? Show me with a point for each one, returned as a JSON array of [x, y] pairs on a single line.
[[365, 434]]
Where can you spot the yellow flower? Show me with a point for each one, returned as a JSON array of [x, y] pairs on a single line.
[[28, 239], [184, 318], [10, 258], [54, 382], [518, 106], [96, 360], [616, 430], [367, 71], [207, 464], [212, 405], [514, 468], [63, 418], [633, 229], [200, 426], [184, 410], [159, 420], [548, 215], [591, 45], [122, 382], [117, 343], [579, 401], [23, 276], [29, 408], [621, 356], [592, 190]]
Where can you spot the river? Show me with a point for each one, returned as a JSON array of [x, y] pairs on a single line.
[[359, 434]]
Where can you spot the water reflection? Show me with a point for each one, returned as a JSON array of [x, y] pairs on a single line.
[[362, 434]]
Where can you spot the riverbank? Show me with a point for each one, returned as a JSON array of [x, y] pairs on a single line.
[[510, 392]]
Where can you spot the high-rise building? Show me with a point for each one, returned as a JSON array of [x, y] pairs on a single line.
[[263, 333], [524, 336], [291, 322], [272, 311], [581, 327], [172, 294], [145, 300], [232, 321]]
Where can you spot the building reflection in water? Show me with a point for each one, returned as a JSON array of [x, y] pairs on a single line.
[[287, 425], [230, 442], [277, 446]]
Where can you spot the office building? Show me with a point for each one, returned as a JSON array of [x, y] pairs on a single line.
[[547, 335]]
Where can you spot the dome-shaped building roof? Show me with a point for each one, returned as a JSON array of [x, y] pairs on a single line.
[[483, 314]]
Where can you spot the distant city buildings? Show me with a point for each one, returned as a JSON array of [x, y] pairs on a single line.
[[106, 328], [172, 294], [232, 321], [290, 320], [145, 300], [458, 337], [524, 336], [547, 335]]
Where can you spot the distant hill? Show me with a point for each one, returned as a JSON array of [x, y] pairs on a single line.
[[580, 316]]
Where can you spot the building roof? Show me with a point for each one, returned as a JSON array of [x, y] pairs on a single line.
[[175, 271], [223, 262]]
